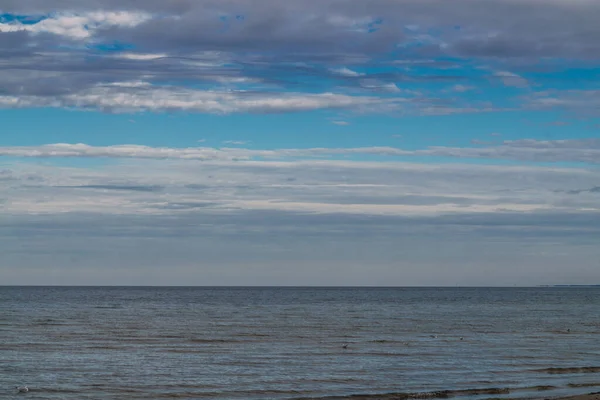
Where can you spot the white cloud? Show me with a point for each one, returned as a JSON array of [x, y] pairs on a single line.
[[139, 96], [346, 72], [341, 123], [64, 150], [78, 26], [583, 150], [140, 56]]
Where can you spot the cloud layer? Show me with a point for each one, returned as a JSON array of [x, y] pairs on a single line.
[[270, 56], [282, 223], [166, 180], [571, 150]]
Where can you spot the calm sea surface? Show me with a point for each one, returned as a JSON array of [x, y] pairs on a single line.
[[287, 343]]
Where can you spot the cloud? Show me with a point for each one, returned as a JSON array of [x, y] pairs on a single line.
[[378, 86], [140, 56], [298, 216], [212, 220], [585, 102], [67, 53], [572, 150], [461, 88], [511, 79], [373, 27], [140, 97], [148, 183], [236, 142], [281, 248], [559, 123], [77, 26], [346, 72], [595, 189], [63, 150], [133, 188], [341, 123]]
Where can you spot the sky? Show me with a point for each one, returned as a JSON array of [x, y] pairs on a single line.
[[314, 142]]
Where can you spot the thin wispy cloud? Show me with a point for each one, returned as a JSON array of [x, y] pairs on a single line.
[[235, 142], [577, 150]]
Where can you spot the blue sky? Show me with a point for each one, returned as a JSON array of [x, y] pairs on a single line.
[[432, 143]]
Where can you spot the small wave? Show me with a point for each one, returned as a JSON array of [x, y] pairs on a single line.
[[190, 395], [381, 354], [583, 385], [541, 388], [201, 340], [228, 394], [385, 341], [113, 307], [329, 380], [441, 394], [183, 351], [104, 347], [569, 370], [52, 390], [242, 334], [48, 322]]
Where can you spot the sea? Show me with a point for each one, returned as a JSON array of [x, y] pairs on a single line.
[[298, 342]]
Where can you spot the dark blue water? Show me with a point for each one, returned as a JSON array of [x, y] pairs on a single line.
[[282, 343]]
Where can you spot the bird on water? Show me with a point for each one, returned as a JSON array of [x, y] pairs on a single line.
[[22, 389]]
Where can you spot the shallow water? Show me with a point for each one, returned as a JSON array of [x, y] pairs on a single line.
[[282, 343]]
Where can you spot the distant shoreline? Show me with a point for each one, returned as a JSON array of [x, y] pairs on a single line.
[[293, 286], [569, 286]]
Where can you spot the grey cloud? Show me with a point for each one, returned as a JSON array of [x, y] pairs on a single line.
[[595, 189], [14, 44], [224, 222], [189, 205], [132, 188], [268, 44], [276, 28], [274, 248], [389, 199], [74, 75], [520, 27], [585, 102], [511, 79], [196, 186], [273, 221], [323, 187], [6, 175]]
